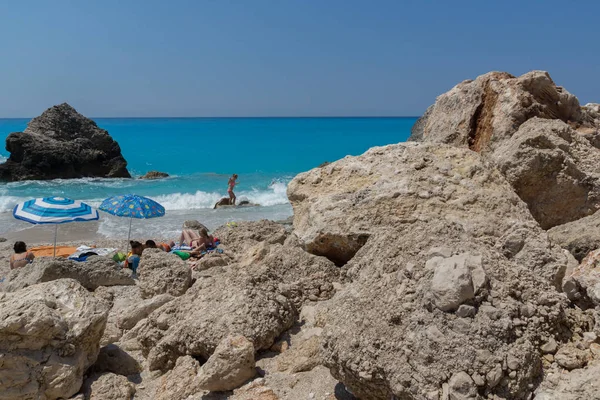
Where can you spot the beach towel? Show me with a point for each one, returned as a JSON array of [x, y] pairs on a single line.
[[100, 251], [182, 254], [48, 251]]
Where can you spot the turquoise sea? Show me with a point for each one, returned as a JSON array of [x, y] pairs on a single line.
[[200, 154]]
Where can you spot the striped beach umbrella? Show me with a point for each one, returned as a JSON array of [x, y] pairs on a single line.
[[54, 210], [132, 206]]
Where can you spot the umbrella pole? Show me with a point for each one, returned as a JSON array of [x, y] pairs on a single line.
[[129, 234], [55, 232]]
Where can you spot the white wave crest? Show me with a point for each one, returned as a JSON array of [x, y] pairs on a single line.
[[2, 159], [8, 203]]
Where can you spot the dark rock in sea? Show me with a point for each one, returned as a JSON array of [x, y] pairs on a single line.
[[155, 175], [225, 202], [61, 143], [2, 239]]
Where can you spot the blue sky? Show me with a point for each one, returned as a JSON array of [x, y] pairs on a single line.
[[281, 58]]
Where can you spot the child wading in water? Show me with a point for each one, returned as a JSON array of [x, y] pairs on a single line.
[[232, 182]]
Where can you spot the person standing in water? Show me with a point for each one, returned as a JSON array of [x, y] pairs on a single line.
[[231, 184]]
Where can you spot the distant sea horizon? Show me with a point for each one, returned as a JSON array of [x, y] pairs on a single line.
[[200, 153]]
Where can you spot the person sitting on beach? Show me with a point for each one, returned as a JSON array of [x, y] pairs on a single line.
[[22, 257], [151, 244], [204, 242], [133, 261], [231, 184]]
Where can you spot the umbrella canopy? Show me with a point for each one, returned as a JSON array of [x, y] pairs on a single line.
[[54, 210], [132, 206]]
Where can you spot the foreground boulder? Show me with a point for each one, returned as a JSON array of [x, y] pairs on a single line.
[[230, 366], [258, 299], [108, 387], [93, 273], [579, 384], [49, 336], [582, 285], [578, 237], [552, 164], [163, 273], [61, 143], [450, 274], [241, 236]]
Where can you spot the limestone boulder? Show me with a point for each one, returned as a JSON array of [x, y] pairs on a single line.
[[195, 225], [113, 358], [155, 175], [553, 169], [242, 235], [163, 273], [180, 382], [128, 317], [258, 299], [230, 366], [578, 237], [49, 337], [61, 143], [535, 131], [120, 298], [108, 387], [96, 272], [442, 231]]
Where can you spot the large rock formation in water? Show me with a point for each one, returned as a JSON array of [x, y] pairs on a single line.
[[61, 143], [552, 165]]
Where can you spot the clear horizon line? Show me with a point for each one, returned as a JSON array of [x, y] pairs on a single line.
[[247, 117]]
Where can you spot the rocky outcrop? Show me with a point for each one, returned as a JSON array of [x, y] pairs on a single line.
[[195, 225], [552, 164], [129, 316], [553, 169], [163, 273], [155, 175], [95, 272], [578, 237], [450, 274], [61, 143], [258, 298], [49, 336], [230, 366], [416, 132]]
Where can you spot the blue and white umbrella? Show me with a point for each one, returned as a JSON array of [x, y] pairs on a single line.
[[54, 210]]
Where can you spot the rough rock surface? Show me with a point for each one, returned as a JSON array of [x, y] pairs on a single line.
[[416, 132], [155, 175], [241, 236], [163, 273], [490, 114], [578, 237], [95, 272], [230, 366], [579, 384], [258, 299], [120, 299], [419, 207], [61, 143], [180, 382], [582, 286], [49, 336], [194, 224], [134, 313], [553, 169], [108, 387]]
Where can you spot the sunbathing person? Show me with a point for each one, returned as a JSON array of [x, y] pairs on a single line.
[[21, 257], [151, 244], [204, 242]]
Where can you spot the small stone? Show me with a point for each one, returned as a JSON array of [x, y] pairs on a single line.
[[494, 376], [512, 374], [528, 310], [549, 358], [492, 312], [451, 284], [570, 357], [549, 347], [465, 311], [311, 395], [461, 386], [512, 362], [595, 349], [589, 337], [478, 379]]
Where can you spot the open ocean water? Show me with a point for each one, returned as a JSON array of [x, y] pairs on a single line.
[[200, 154]]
